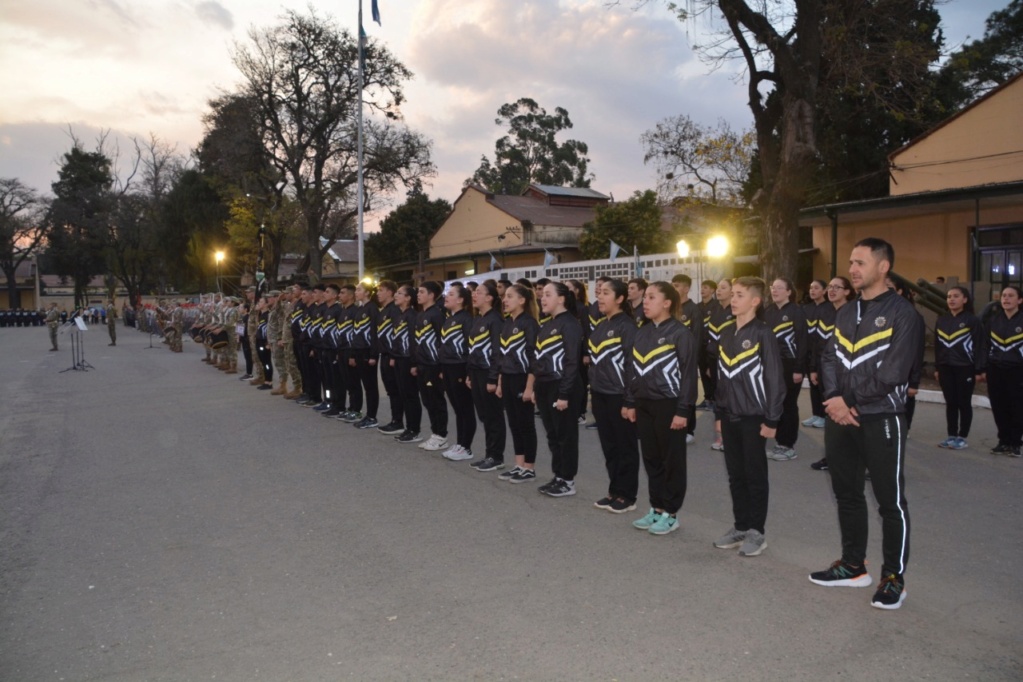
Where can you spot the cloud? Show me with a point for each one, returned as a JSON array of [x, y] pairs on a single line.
[[214, 13]]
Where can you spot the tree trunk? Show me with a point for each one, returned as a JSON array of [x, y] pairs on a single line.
[[13, 295]]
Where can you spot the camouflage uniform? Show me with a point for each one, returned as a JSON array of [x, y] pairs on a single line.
[[290, 361], [52, 321], [274, 338], [111, 326], [178, 321], [230, 326], [251, 330]]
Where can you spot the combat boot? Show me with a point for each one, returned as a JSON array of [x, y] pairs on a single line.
[[255, 381], [280, 390]]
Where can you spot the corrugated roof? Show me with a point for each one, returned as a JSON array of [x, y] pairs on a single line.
[[555, 190], [539, 213]]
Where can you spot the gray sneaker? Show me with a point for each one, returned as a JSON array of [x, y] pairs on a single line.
[[754, 544], [730, 540], [782, 454]]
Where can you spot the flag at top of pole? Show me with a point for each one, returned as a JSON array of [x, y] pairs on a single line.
[[615, 250], [375, 11]]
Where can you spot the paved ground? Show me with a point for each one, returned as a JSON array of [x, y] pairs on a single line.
[[161, 521]]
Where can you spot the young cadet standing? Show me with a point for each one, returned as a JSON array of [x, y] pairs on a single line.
[[720, 319], [750, 398], [1002, 366], [691, 317], [786, 321], [660, 392], [515, 357], [818, 292], [957, 344], [426, 364], [865, 371], [402, 350], [390, 315], [454, 358], [484, 341], [365, 353]]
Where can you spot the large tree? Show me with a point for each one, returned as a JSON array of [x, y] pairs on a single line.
[[193, 221], [303, 76], [985, 63], [21, 231], [530, 152], [406, 230], [632, 223]]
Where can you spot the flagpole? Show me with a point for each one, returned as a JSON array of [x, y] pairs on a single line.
[[362, 46]]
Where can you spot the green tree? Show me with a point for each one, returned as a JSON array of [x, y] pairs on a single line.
[[406, 230], [192, 220], [303, 77], [530, 152], [636, 222], [987, 62], [78, 218], [21, 231]]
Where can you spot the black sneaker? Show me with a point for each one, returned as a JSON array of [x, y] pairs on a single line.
[[366, 423], [603, 503], [245, 377], [392, 429], [523, 476], [890, 593], [264, 387], [561, 488], [821, 465], [489, 464], [322, 407], [476, 464], [505, 475], [1000, 449], [332, 412], [408, 437], [591, 426], [620, 506], [543, 489], [1014, 451], [841, 574]]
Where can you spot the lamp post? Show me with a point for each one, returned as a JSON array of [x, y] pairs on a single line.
[[219, 257]]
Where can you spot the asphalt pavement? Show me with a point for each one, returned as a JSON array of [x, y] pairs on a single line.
[[160, 520]]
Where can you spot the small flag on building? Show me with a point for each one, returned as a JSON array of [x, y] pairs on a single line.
[[548, 259], [494, 265], [639, 266], [615, 250]]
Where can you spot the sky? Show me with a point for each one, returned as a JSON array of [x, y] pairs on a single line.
[[148, 67]]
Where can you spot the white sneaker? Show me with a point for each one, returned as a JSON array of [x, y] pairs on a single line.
[[457, 454], [690, 439], [435, 443]]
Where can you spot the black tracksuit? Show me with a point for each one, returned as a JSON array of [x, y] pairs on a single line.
[[788, 324], [484, 341], [610, 348], [720, 318], [1002, 360], [555, 368], [365, 352], [388, 373], [868, 363], [691, 318], [515, 357], [402, 349], [660, 384], [454, 356], [819, 325], [957, 342], [426, 358], [750, 393]]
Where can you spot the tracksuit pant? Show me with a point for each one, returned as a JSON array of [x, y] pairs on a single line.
[[389, 376], [460, 397], [521, 421], [352, 389], [746, 462], [1005, 390], [788, 426], [312, 381], [491, 413], [664, 453], [877, 445], [265, 359], [562, 427], [431, 391], [957, 385], [329, 378], [620, 444], [409, 386], [817, 399], [365, 376]]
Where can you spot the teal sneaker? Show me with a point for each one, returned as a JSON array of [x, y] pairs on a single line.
[[948, 442], [664, 524], [648, 520], [959, 444]]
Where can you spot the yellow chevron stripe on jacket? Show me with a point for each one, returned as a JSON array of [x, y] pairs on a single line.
[[955, 334], [864, 342], [511, 339], [453, 328], [608, 342], [783, 325], [643, 359], [551, 339], [731, 362]]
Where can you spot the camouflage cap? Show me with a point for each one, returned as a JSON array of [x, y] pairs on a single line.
[[273, 293]]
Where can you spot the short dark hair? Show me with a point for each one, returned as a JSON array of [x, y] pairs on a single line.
[[542, 282], [881, 249], [332, 287], [682, 278], [709, 283], [389, 285], [639, 282]]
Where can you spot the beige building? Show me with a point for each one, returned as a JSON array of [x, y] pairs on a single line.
[[514, 231], [955, 208]]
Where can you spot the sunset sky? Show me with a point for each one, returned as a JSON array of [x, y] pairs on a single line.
[[149, 66]]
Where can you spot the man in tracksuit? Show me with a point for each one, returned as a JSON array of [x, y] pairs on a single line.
[[865, 372]]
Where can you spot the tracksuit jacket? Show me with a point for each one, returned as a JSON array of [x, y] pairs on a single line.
[[559, 345], [872, 353], [692, 318], [427, 336], [454, 346], [751, 380], [1003, 341], [610, 349], [518, 344], [660, 352], [385, 325], [402, 331], [720, 318], [365, 320], [484, 342], [823, 330], [788, 324]]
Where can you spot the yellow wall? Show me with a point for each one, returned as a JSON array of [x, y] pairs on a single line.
[[925, 246], [474, 227], [984, 145]]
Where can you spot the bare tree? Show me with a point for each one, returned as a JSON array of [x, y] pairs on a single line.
[[22, 231]]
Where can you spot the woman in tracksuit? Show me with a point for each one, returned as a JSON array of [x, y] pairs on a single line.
[[484, 342], [660, 393], [557, 391], [609, 351], [426, 364], [515, 357], [454, 356], [390, 315], [402, 349], [818, 292], [840, 290], [1003, 369], [786, 321], [957, 342]]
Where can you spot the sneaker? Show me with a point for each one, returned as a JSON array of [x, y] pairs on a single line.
[[591, 426], [707, 405], [488, 464], [717, 445], [306, 402], [664, 524], [332, 412], [1014, 451], [523, 476], [820, 465], [648, 520], [582, 420], [690, 439], [548, 484], [620, 505], [890, 593], [782, 454], [366, 423], [948, 442], [435, 443], [603, 503], [561, 488], [457, 454], [408, 437], [810, 421], [959, 444], [322, 407], [730, 540], [754, 544], [504, 475], [1000, 449], [819, 422], [392, 429], [245, 377], [841, 574]]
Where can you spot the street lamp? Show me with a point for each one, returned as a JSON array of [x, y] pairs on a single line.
[[219, 257], [683, 248], [717, 246]]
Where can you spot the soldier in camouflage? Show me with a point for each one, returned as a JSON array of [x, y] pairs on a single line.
[[111, 326], [178, 321], [52, 321], [288, 339], [253, 326], [231, 327], [275, 339]]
